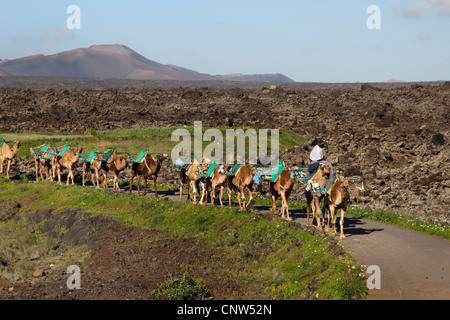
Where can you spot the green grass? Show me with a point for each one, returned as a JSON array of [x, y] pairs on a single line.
[[153, 140], [269, 258], [182, 287]]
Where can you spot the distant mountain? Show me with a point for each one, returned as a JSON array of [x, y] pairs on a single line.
[[394, 81], [276, 77], [115, 62], [4, 73]]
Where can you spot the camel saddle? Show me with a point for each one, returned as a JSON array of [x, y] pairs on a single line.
[[104, 157], [138, 158], [210, 170], [266, 173], [84, 157]]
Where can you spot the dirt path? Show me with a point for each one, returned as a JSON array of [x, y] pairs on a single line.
[[413, 265]]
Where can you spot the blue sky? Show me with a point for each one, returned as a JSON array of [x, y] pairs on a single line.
[[306, 40]]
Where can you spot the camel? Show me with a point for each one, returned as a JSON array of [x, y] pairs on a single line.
[[7, 154], [42, 163], [337, 197], [182, 179], [217, 179], [321, 179], [94, 167], [117, 163], [68, 161], [147, 167], [195, 180], [241, 180], [282, 187]]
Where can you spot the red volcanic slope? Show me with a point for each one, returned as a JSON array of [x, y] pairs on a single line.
[[114, 61], [103, 61], [4, 73]]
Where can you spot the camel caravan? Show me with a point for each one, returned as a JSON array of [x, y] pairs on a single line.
[[322, 183], [325, 187]]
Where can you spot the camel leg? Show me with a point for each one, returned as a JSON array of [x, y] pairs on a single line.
[[194, 192], [324, 211], [284, 206], [116, 182], [98, 178], [274, 203], [238, 193], [131, 181], [332, 209], [220, 196], [36, 163], [229, 197], [308, 211], [1, 166], [59, 176], [84, 173], [47, 173], [68, 176], [242, 194], [212, 194], [244, 207], [202, 198], [72, 176], [308, 206], [41, 173], [250, 197], [342, 236], [317, 213], [95, 179], [190, 195], [104, 183], [50, 173], [181, 191], [204, 193], [7, 169], [138, 181], [53, 171], [332, 217]]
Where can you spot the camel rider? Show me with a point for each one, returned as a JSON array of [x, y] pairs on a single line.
[[317, 157]]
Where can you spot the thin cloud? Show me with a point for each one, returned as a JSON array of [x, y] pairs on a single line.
[[423, 8], [56, 34], [50, 33], [21, 37]]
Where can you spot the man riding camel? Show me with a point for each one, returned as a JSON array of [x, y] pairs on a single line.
[[317, 157]]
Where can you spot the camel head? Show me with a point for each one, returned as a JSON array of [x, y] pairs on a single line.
[[123, 159], [204, 165], [123, 156], [325, 169], [344, 182], [162, 157], [223, 169], [79, 150], [253, 169]]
